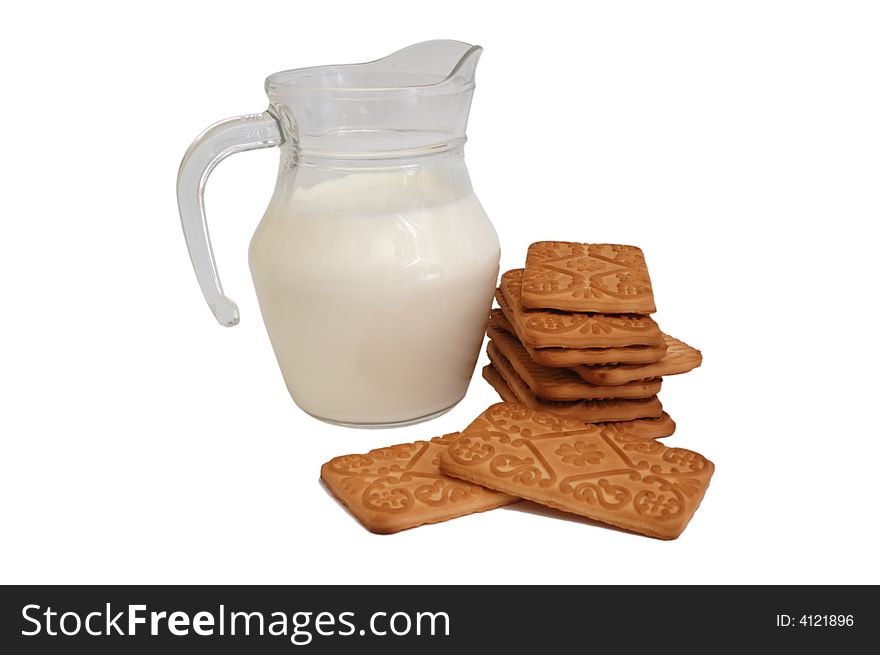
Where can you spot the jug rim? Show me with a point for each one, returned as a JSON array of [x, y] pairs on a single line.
[[459, 78]]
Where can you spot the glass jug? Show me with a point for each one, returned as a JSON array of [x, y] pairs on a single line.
[[374, 263]]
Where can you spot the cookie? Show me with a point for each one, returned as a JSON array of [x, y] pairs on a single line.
[[587, 277], [504, 319], [399, 487], [561, 383], [589, 411], [519, 418], [493, 377], [599, 472], [543, 328], [679, 358]]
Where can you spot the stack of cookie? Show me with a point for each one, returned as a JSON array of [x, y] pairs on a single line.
[[573, 334]]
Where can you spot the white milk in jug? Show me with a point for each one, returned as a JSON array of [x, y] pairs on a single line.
[[375, 288]]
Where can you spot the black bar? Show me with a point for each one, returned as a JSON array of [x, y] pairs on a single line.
[[511, 618]]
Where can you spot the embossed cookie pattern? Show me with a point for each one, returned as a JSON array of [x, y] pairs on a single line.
[[580, 277], [588, 411], [575, 356], [600, 472], [542, 328], [554, 383], [515, 418], [679, 358], [399, 487]]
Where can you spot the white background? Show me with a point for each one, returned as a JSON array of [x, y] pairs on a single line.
[[737, 143]]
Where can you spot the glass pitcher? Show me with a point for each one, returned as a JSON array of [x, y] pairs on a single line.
[[374, 263]]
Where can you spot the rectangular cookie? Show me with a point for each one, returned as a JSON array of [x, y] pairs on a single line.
[[567, 357], [679, 358], [516, 417], [493, 377], [544, 328], [594, 471], [587, 277], [589, 411], [399, 487], [561, 383], [651, 428]]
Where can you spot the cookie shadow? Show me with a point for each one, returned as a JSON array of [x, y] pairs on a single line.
[[341, 504], [529, 507]]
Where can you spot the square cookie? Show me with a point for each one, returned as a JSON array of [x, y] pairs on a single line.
[[652, 428], [561, 383], [587, 277], [545, 328], [398, 487], [597, 472], [588, 411], [505, 319], [679, 358]]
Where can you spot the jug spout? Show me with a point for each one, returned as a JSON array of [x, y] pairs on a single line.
[[428, 67], [414, 100], [466, 68], [446, 61]]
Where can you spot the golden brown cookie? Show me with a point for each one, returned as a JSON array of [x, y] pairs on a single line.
[[399, 487], [519, 418], [575, 356], [493, 377], [595, 471], [587, 277], [561, 383], [679, 358], [588, 411], [544, 328]]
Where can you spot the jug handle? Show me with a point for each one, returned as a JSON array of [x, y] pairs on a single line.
[[212, 146]]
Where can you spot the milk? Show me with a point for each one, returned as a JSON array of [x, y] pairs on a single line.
[[375, 289]]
